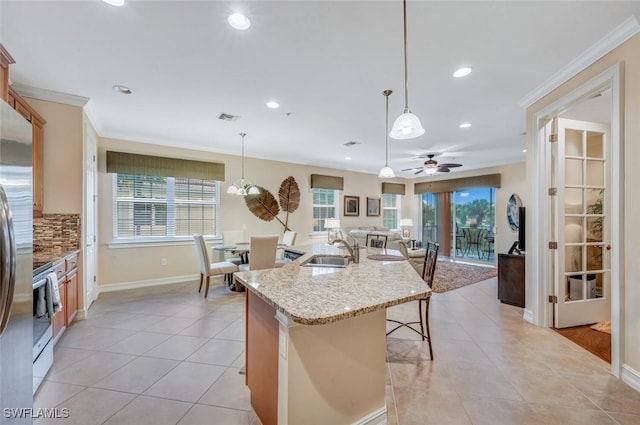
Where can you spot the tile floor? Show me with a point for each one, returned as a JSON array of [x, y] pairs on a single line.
[[165, 355]]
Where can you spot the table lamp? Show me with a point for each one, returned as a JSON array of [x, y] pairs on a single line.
[[405, 224], [333, 229]]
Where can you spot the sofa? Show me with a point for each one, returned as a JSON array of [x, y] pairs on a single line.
[[360, 234]]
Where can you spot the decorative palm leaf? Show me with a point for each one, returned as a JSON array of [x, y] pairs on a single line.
[[263, 205], [289, 195]]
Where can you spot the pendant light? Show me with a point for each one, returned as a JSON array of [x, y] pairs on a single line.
[[243, 187], [386, 172], [407, 125]]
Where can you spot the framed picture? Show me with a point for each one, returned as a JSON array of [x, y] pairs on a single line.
[[352, 205], [373, 206]]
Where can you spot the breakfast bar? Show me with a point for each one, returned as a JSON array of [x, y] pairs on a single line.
[[315, 335]]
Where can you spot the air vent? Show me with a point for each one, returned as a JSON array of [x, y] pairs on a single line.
[[228, 117], [352, 143]]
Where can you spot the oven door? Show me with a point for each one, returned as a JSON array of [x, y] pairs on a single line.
[[42, 332]]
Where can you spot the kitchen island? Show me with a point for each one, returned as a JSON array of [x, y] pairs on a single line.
[[316, 339]]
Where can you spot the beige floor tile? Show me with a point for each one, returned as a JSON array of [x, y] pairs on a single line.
[[171, 325], [207, 328], [625, 419], [50, 394], [187, 382], [491, 411], [609, 393], [228, 391], [239, 361], [481, 380], [150, 411], [91, 369], [93, 338], [566, 415], [392, 412], [547, 388], [220, 352], [91, 407], [201, 414], [137, 376], [430, 376], [138, 343], [456, 350], [64, 357], [177, 347], [234, 331], [417, 406], [407, 351]]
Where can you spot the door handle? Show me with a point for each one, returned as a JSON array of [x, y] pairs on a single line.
[[8, 262], [608, 247]]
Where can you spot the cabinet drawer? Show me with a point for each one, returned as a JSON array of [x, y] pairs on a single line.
[[72, 262], [61, 269]]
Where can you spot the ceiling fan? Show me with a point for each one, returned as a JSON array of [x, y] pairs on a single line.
[[431, 166]]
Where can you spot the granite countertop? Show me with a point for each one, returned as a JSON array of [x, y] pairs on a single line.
[[42, 259], [315, 295]]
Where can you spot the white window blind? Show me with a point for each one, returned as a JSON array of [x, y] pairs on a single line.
[[155, 207], [325, 205], [391, 211]]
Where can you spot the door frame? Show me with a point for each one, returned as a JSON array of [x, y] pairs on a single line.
[[538, 264]]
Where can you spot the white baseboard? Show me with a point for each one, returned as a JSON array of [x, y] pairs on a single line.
[[377, 417], [631, 377], [81, 315], [528, 316], [122, 286]]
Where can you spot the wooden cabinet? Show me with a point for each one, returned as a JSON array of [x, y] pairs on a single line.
[[511, 279], [16, 101], [37, 123], [67, 272]]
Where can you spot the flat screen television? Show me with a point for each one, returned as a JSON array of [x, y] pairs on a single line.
[[521, 228]]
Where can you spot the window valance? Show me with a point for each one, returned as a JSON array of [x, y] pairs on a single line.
[[130, 163], [318, 181], [394, 188], [450, 185]]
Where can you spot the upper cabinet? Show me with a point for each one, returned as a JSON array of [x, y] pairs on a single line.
[[16, 101]]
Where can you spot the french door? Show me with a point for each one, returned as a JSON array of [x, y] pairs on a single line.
[[580, 176]]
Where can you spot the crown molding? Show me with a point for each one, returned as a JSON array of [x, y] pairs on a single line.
[[50, 95], [91, 115], [613, 39]]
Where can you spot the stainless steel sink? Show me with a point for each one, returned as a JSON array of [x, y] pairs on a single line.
[[326, 261]]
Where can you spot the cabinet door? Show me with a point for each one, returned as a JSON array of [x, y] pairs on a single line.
[[60, 317], [72, 297], [38, 166]]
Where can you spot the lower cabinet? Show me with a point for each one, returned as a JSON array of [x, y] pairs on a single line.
[[67, 271]]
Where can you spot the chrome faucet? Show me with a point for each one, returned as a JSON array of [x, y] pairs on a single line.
[[353, 252]]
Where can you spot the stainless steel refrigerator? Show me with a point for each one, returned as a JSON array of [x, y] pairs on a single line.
[[16, 267]]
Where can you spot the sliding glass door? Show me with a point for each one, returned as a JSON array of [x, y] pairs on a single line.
[[463, 222]]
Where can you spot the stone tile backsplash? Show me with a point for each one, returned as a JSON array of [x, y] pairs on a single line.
[[56, 232]]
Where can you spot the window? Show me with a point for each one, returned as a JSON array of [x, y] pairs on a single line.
[[154, 207], [391, 210], [325, 205]]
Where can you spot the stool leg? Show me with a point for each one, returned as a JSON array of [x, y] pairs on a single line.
[[420, 316], [201, 279], [426, 319]]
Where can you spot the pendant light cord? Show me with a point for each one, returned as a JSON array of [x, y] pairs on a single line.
[[242, 135], [406, 78], [386, 128]]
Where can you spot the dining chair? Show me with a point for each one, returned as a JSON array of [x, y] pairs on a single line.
[[376, 241], [208, 269], [428, 273], [415, 256], [262, 253]]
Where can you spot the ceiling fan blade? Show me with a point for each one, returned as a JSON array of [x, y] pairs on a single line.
[[443, 170], [411, 169], [419, 171], [449, 165]]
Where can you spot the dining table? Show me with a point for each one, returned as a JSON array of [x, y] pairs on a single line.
[[241, 249]]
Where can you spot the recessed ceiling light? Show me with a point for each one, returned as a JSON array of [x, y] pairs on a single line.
[[348, 158], [462, 72], [121, 89], [273, 104], [524, 150], [118, 3], [465, 125], [239, 21]]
